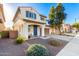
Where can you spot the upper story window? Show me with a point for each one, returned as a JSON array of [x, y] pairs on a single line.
[[27, 13], [34, 16], [30, 15]]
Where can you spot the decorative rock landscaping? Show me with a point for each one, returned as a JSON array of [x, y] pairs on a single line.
[[8, 47]]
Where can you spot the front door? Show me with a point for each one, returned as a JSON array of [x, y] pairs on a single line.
[[35, 30]]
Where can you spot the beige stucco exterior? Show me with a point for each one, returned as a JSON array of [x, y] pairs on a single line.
[[2, 19], [2, 27], [25, 26], [20, 23]]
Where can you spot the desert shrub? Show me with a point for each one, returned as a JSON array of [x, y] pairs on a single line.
[[20, 39], [37, 50], [55, 42]]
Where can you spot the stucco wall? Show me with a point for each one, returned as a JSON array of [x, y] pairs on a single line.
[[23, 13], [18, 24], [2, 27], [1, 15], [30, 30]]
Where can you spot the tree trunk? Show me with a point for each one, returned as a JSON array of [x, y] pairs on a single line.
[[53, 30], [59, 30]]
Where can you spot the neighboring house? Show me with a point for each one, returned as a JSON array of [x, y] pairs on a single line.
[[66, 28], [2, 18], [28, 22]]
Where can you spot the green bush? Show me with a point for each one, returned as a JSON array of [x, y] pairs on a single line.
[[20, 39], [55, 42], [37, 50]]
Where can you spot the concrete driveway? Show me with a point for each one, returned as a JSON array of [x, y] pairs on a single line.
[[60, 37]]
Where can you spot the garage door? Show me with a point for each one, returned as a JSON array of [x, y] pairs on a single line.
[[46, 31]]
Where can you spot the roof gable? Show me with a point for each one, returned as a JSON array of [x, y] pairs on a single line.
[[33, 9], [16, 14], [25, 7]]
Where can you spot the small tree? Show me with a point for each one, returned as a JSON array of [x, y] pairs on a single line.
[[60, 16], [76, 25], [57, 16], [51, 17]]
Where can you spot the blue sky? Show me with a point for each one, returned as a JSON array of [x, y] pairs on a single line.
[[72, 9]]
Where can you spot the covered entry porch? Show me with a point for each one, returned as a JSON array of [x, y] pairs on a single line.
[[36, 30], [33, 29]]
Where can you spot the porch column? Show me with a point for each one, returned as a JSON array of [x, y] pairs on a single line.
[[43, 30], [38, 31], [25, 31]]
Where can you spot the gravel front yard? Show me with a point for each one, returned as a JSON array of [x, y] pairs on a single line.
[[9, 48]]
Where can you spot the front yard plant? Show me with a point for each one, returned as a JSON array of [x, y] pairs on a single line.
[[20, 39], [55, 43], [37, 50]]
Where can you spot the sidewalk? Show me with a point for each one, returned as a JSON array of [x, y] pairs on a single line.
[[71, 49]]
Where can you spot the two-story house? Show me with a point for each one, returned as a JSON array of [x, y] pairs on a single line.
[[2, 18], [28, 22]]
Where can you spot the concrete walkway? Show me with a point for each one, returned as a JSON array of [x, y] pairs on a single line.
[[66, 38], [72, 48]]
